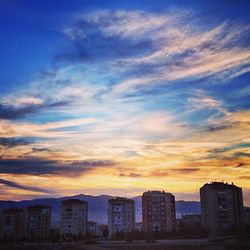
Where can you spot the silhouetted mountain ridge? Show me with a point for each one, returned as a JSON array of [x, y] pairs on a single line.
[[98, 206]]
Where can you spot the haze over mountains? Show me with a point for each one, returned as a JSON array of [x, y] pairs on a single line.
[[98, 206]]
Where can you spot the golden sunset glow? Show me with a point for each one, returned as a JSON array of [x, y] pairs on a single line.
[[148, 101]]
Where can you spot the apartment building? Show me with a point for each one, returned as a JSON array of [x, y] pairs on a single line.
[[38, 222], [158, 211], [74, 217], [13, 224], [222, 208], [121, 215]]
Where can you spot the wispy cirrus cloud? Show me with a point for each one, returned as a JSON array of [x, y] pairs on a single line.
[[165, 47], [161, 172], [140, 50], [46, 130], [200, 101], [139, 95], [23, 101], [20, 110]]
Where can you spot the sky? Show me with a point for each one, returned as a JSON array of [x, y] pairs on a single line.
[[121, 97]]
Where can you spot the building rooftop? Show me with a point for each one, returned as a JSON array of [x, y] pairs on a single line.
[[220, 184], [120, 199], [156, 192], [38, 207], [13, 210], [73, 202]]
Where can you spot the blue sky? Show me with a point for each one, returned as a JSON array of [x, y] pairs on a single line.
[[26, 24], [130, 94]]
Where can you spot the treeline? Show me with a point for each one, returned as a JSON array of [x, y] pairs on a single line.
[[186, 232]]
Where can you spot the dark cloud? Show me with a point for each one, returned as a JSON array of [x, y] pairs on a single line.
[[15, 141], [242, 154], [94, 163], [38, 166], [41, 150], [234, 146], [241, 164], [213, 128], [32, 166], [132, 175], [23, 187], [11, 112], [217, 150]]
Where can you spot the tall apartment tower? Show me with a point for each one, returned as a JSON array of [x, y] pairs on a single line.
[[121, 215], [1, 224], [13, 224], [222, 208], [74, 217], [158, 211], [38, 222]]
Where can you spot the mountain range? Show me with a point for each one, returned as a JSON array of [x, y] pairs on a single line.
[[97, 206]]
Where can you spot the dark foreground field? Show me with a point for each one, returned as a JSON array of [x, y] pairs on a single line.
[[159, 245]]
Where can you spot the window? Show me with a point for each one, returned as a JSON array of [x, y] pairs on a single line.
[[7, 220]]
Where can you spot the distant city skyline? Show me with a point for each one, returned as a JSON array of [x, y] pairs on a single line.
[[221, 213], [123, 97]]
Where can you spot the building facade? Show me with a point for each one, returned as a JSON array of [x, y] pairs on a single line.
[[38, 222], [222, 208], [191, 220], [92, 228], [13, 224], [247, 218], [158, 211], [1, 224], [121, 215], [247, 215], [74, 217]]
